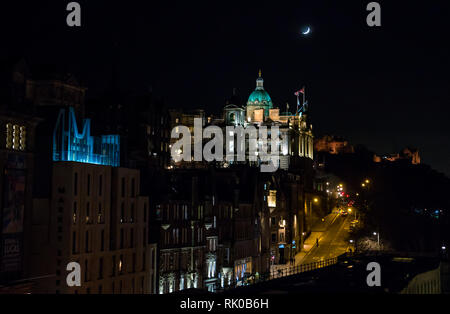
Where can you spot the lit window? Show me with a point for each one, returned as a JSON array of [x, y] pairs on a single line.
[[15, 137], [9, 135], [23, 137], [272, 199]]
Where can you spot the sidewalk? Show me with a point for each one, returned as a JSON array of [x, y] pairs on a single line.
[[317, 232]]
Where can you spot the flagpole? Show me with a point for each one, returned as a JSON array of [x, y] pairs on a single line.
[[304, 92]]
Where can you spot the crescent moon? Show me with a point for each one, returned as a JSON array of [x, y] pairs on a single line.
[[307, 31]]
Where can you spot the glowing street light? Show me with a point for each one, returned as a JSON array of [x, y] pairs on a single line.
[[316, 200], [378, 238], [367, 181], [363, 184]]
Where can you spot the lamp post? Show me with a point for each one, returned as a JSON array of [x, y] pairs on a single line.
[[378, 239]]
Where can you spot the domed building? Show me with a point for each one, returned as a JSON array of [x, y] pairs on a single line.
[[259, 102]]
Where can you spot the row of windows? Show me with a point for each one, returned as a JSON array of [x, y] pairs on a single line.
[[178, 212], [90, 216], [182, 236], [100, 217], [88, 239], [119, 288], [16, 136], [100, 185]]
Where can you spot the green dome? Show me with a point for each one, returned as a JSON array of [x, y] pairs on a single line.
[[260, 97]]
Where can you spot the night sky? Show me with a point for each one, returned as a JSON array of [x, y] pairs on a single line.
[[385, 87]]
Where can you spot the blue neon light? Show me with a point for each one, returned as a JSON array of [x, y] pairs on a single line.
[[69, 145]]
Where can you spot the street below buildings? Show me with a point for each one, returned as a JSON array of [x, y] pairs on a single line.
[[332, 237]]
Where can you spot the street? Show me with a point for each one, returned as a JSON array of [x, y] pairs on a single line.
[[332, 235]]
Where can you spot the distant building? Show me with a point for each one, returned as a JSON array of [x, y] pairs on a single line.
[[407, 154], [333, 145]]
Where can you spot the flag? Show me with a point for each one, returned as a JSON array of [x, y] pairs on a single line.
[[297, 93]]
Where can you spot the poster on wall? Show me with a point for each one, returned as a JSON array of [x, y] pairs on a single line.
[[12, 219]]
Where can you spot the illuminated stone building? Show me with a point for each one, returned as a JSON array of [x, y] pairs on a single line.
[[179, 229], [295, 132], [213, 231], [333, 145], [407, 154], [288, 195]]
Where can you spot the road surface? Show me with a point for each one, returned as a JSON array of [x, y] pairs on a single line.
[[333, 240]]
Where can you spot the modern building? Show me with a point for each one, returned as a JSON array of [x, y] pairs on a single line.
[[94, 216]]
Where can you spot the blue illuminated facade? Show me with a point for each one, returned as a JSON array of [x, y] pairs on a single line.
[[70, 145]]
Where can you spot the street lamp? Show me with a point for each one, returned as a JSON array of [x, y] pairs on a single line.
[[378, 238]]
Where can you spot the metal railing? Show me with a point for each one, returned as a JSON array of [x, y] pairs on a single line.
[[293, 270], [285, 272]]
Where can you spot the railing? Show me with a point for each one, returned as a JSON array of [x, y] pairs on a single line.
[[280, 273], [293, 270]]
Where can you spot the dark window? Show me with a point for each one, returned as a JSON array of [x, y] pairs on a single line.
[[113, 268], [87, 241], [100, 185], [121, 238], [102, 240], [132, 187], [75, 183], [134, 262], [123, 187], [100, 288], [131, 238], [86, 270], [144, 237], [100, 268], [132, 213], [145, 212], [88, 184], [143, 261], [74, 242], [122, 213]]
